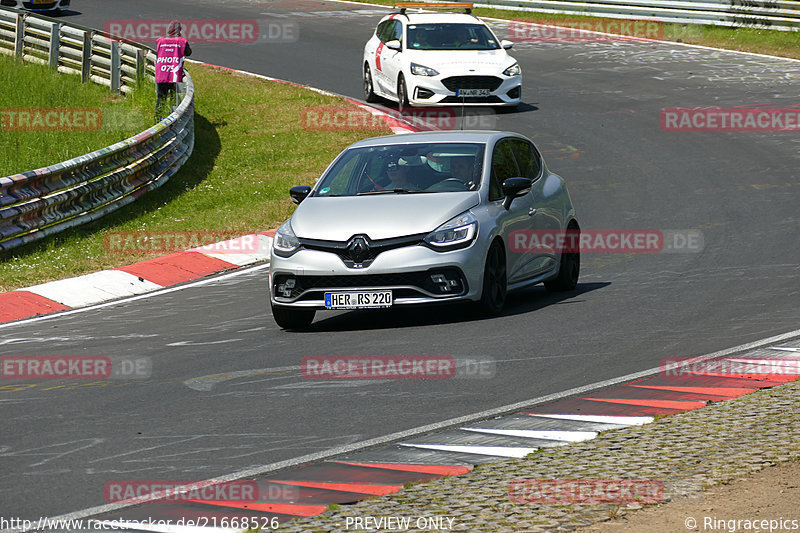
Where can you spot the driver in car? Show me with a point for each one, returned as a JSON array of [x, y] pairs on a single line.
[[461, 167], [406, 172]]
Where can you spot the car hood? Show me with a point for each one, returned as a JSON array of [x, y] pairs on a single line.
[[380, 216], [463, 62]]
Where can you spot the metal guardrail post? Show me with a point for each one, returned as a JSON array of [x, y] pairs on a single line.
[[86, 57], [141, 62], [55, 46], [116, 63], [19, 38]]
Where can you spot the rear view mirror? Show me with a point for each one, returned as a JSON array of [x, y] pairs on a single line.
[[514, 188], [506, 44], [299, 193], [394, 45]]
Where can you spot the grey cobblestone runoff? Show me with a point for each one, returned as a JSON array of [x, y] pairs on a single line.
[[686, 452]]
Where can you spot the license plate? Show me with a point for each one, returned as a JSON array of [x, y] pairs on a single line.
[[473, 92], [41, 1], [358, 300]]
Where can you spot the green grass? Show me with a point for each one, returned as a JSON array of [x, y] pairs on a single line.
[[36, 86], [250, 147], [770, 42]]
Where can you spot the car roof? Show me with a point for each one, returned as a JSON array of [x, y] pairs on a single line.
[[430, 18], [473, 136]]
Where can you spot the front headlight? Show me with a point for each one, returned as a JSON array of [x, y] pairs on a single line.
[[285, 243], [458, 232], [513, 70], [419, 70]]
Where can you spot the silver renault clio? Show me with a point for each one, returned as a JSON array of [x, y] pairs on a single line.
[[423, 218]]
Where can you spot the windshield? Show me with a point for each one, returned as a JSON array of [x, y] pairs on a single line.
[[451, 37], [404, 169]]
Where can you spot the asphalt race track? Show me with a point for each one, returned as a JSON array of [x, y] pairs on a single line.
[[594, 109]]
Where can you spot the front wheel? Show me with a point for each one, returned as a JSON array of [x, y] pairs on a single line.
[[369, 89], [290, 318], [402, 94], [495, 284]]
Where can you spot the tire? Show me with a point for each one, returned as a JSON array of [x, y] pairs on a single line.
[[289, 318], [402, 94], [369, 89], [569, 269], [495, 283]]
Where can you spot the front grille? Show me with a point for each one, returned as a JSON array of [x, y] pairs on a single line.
[[312, 287], [31, 5], [375, 248], [454, 83], [471, 100]]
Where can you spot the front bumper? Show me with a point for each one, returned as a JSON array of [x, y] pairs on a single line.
[[408, 272], [36, 6], [441, 90]]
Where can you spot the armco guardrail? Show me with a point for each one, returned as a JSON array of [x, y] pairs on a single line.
[[768, 14], [41, 202]]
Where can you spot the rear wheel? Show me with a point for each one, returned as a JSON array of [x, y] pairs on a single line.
[[568, 270], [493, 298], [402, 94], [369, 89], [290, 318]]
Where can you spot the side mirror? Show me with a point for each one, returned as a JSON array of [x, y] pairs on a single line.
[[394, 45], [299, 193], [506, 44], [514, 188]]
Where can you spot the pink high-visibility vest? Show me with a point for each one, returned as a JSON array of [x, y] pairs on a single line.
[[169, 59]]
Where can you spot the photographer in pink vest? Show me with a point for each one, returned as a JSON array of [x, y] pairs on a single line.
[[170, 51]]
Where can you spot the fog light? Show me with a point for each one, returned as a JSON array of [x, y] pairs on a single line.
[[444, 283], [423, 94]]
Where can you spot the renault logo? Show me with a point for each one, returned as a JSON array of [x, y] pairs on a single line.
[[358, 249]]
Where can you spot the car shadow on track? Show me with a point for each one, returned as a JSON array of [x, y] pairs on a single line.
[[518, 303]]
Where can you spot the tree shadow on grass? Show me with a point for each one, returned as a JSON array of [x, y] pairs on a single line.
[[207, 147]]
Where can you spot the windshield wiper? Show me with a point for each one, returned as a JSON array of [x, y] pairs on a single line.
[[398, 191]]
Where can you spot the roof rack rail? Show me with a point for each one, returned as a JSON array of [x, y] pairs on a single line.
[[466, 6]]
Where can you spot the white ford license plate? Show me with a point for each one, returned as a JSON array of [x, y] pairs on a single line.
[[473, 92], [358, 299]]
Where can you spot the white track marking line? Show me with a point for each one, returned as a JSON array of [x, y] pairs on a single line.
[[496, 451], [562, 436], [603, 419], [445, 424]]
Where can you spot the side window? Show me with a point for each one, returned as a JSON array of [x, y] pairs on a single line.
[[383, 31], [503, 167], [526, 157], [397, 31]]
